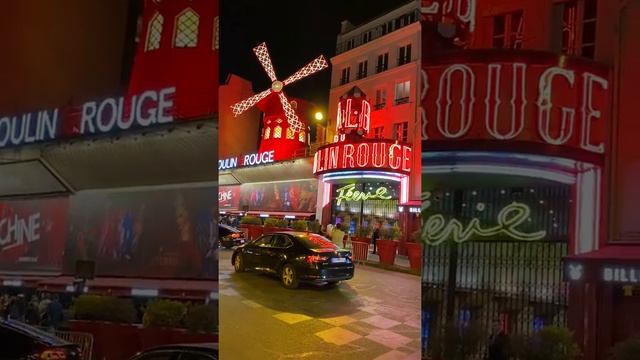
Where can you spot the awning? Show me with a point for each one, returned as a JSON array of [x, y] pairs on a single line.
[[622, 253], [166, 288]]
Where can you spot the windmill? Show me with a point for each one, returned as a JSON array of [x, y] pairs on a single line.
[[277, 86]]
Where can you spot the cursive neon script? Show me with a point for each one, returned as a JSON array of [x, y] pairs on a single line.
[[349, 193], [436, 230]]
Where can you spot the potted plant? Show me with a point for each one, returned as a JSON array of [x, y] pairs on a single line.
[[387, 246], [626, 350], [164, 314], [414, 251], [315, 227], [253, 225], [299, 225]]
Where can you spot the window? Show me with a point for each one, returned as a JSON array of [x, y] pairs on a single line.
[[264, 241], [404, 55], [362, 69], [402, 92], [381, 99], [350, 44], [344, 78], [187, 29], [289, 133], [383, 62], [366, 37], [378, 132], [267, 132], [577, 37], [154, 33], [282, 241], [302, 137], [216, 33], [277, 132], [508, 30], [400, 131]]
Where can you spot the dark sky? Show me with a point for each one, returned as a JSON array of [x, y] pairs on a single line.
[[295, 32]]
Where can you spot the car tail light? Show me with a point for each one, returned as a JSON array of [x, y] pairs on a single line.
[[314, 259], [235, 235], [54, 354]]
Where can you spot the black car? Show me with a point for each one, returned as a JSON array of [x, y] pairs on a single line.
[[295, 257], [19, 341], [180, 352], [230, 236]]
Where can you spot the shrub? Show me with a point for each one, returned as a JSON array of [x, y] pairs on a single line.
[[626, 350], [250, 220], [550, 343], [104, 308], [396, 233], [272, 222], [202, 318], [315, 227], [455, 343], [299, 225], [164, 313]]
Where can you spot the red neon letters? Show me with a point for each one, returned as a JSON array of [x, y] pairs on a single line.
[[377, 155]]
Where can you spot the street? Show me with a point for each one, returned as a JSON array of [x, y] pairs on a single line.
[[375, 315]]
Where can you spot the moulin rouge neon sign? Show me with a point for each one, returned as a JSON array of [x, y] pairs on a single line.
[[516, 101], [349, 193], [437, 229], [374, 155]]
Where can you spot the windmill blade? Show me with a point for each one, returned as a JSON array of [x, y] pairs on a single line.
[[242, 106], [316, 65], [262, 53], [292, 118]]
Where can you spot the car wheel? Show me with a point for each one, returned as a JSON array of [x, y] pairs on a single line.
[[333, 283], [238, 264], [289, 277]]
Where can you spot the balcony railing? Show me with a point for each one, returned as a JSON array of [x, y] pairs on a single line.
[[402, 100], [381, 68], [404, 60], [379, 106], [362, 75]]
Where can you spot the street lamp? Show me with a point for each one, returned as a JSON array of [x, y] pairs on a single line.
[[319, 116]]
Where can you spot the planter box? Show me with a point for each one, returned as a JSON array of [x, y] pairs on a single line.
[[387, 250], [362, 239], [253, 231], [271, 229], [119, 341], [414, 251]]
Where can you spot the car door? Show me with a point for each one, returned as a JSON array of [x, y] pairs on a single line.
[[276, 252], [14, 345], [254, 252]]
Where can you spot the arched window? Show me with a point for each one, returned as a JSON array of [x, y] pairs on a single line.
[[267, 133], [154, 33], [277, 132], [302, 137], [186, 30], [289, 133]]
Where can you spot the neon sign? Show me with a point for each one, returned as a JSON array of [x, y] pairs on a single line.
[[349, 193], [262, 158], [462, 10], [372, 155], [437, 230], [620, 274], [504, 100]]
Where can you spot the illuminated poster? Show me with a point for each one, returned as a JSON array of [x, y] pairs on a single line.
[[294, 196], [32, 234], [229, 197], [163, 233]]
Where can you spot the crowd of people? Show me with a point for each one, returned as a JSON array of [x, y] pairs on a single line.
[[42, 310]]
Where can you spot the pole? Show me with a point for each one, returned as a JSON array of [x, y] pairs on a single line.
[[453, 262]]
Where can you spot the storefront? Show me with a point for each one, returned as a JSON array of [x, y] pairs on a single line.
[[512, 170], [364, 182]]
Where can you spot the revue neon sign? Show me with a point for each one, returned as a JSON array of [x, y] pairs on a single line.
[[349, 193], [375, 155], [498, 101], [437, 230], [262, 158]]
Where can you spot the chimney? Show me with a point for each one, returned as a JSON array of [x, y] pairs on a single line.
[[346, 26]]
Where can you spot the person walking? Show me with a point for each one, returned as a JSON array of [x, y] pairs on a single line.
[[337, 236], [55, 313]]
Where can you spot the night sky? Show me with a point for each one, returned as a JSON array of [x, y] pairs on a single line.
[[296, 32]]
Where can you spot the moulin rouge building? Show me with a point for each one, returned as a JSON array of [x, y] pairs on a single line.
[[541, 119]]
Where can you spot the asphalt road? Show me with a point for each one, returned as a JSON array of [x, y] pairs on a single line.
[[375, 315]]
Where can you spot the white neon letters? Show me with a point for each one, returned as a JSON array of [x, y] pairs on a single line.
[[518, 101], [545, 107], [466, 105], [588, 112]]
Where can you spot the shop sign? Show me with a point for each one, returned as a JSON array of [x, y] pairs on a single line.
[[621, 274], [349, 193], [472, 97], [262, 158], [93, 117], [437, 229], [17, 231], [229, 197], [367, 155]]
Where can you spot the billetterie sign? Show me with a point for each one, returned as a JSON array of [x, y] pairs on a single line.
[[266, 157], [94, 117], [381, 155]]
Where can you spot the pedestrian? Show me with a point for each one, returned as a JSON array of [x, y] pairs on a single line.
[[55, 313], [337, 235], [375, 237], [33, 312], [498, 343], [18, 308]]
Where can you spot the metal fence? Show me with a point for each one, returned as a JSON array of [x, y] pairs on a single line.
[[83, 340]]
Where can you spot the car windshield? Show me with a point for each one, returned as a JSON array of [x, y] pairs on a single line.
[[313, 241]]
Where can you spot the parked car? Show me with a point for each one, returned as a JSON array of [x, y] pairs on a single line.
[[295, 257], [19, 341], [180, 352], [230, 236]]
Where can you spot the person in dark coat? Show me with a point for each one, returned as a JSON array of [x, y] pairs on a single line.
[[498, 344], [374, 238], [55, 312]]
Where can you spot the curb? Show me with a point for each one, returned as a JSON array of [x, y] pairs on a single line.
[[389, 267]]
